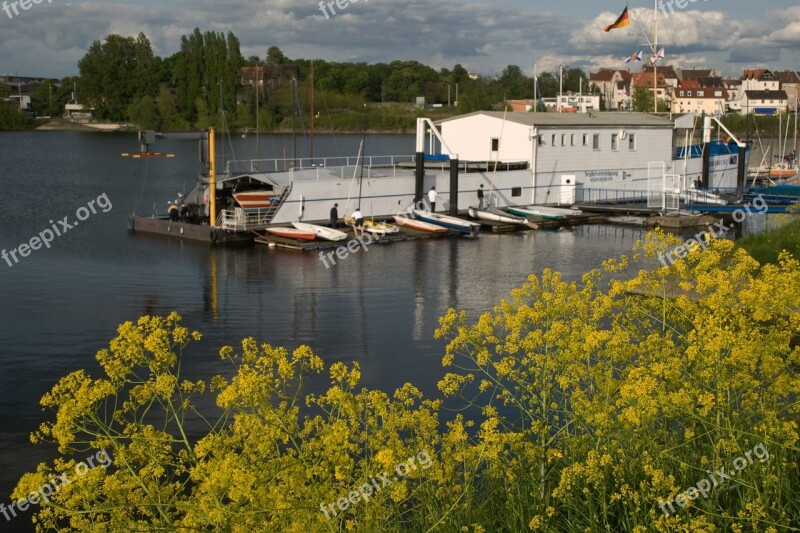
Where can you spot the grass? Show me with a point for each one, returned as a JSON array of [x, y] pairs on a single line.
[[765, 247]]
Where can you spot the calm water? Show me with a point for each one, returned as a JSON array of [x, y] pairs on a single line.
[[380, 308]]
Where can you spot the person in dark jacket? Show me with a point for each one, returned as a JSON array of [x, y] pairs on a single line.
[[335, 215]]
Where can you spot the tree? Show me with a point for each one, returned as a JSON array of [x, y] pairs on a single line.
[[513, 83], [115, 73], [642, 100], [144, 113], [168, 112], [276, 57]]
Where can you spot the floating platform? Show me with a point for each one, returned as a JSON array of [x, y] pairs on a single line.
[[187, 230]]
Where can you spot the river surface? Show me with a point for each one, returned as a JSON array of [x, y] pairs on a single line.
[[380, 308]]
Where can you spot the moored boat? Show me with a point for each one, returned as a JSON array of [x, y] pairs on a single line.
[[293, 233], [256, 199], [329, 234], [542, 211], [446, 221], [493, 214], [372, 226], [419, 225]]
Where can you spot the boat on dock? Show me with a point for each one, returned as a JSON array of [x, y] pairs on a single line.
[[373, 226], [492, 214], [419, 225], [293, 233], [456, 224], [328, 234], [543, 211]]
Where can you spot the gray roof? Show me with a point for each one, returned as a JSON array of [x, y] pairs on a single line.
[[598, 118]]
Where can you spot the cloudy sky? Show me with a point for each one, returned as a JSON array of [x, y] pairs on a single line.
[[728, 35]]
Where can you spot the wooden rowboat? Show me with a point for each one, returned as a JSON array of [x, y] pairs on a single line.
[[256, 199], [322, 232], [293, 233], [452, 223], [418, 225]]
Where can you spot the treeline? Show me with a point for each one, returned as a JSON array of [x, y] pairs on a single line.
[[122, 80]]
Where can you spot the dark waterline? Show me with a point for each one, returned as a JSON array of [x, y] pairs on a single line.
[[379, 307]]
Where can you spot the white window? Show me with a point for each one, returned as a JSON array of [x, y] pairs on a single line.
[[553, 140], [585, 139], [631, 141], [563, 139], [596, 141], [495, 144], [572, 140], [614, 142]]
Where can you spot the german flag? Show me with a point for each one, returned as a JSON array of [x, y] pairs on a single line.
[[621, 21]]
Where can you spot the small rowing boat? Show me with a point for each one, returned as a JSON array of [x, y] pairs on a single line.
[[492, 214], [256, 199], [452, 223], [418, 225], [293, 233], [329, 234], [542, 211]]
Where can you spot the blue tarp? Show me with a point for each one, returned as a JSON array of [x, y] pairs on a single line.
[[714, 148], [437, 157]]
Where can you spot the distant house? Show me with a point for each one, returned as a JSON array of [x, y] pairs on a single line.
[[578, 103], [763, 102], [691, 97], [694, 74], [607, 83], [790, 83], [644, 80]]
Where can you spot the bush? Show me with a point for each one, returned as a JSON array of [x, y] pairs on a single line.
[[598, 408]]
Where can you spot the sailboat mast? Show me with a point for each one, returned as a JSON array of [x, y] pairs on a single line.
[[311, 105], [655, 53]]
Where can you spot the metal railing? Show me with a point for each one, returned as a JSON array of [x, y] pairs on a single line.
[[238, 166]]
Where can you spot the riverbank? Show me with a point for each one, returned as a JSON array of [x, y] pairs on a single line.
[[765, 247]]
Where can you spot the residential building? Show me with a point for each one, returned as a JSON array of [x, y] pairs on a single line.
[[694, 74], [790, 83], [606, 83], [691, 97], [768, 102], [644, 80], [578, 103]]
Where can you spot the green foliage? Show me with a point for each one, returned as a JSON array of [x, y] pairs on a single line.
[[11, 118], [766, 247], [115, 73], [144, 113], [643, 101], [598, 399]]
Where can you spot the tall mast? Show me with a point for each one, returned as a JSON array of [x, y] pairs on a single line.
[[536, 90], [311, 105], [655, 53]]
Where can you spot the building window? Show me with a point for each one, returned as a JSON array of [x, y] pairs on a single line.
[[596, 141], [631, 141], [614, 142], [563, 139], [689, 93], [585, 139], [540, 140], [700, 93], [572, 140], [516, 191], [495, 144], [553, 140]]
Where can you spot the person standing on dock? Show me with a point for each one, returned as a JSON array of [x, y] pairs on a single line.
[[358, 222], [334, 216], [480, 196], [432, 195]]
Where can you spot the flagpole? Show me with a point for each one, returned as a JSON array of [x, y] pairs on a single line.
[[535, 89]]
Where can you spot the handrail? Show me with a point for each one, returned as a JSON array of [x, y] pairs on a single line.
[[302, 163]]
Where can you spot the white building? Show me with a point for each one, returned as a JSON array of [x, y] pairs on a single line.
[[563, 151], [578, 103]]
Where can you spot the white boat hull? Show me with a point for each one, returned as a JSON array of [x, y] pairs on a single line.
[[321, 232]]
